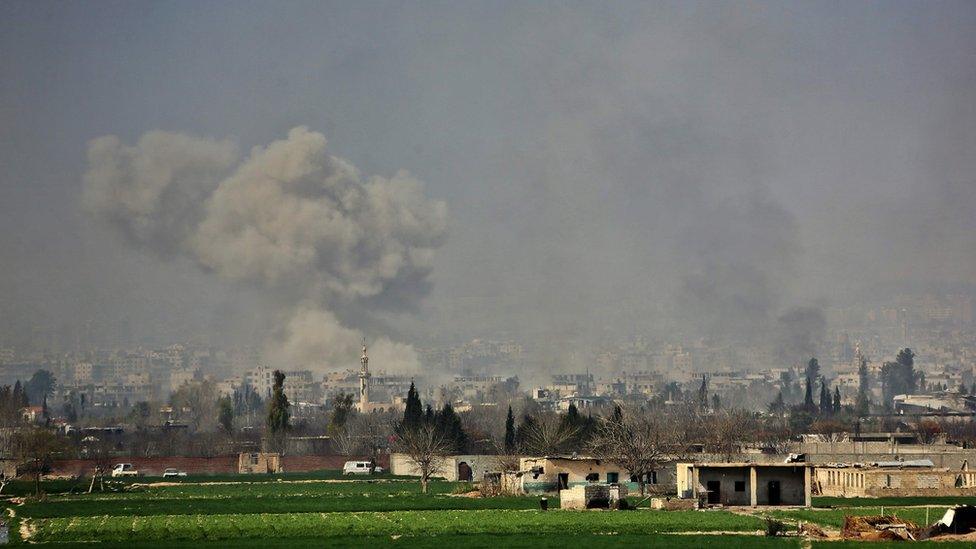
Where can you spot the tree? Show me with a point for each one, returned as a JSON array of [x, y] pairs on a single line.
[[140, 414], [836, 409], [778, 405], [40, 386], [863, 405], [341, 408], [449, 424], [34, 448], [928, 430], [716, 402], [899, 377], [726, 431], [639, 443], [278, 412], [808, 397], [413, 413], [225, 414], [425, 446], [826, 405], [812, 370], [19, 396], [199, 401], [546, 435], [510, 432]]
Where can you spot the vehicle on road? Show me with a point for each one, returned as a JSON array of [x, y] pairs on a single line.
[[360, 468], [124, 470], [171, 472]]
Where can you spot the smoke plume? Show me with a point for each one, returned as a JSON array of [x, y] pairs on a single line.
[[300, 225]]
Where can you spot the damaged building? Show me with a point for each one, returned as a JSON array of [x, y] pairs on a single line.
[[894, 478]]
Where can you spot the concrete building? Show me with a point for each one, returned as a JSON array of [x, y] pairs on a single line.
[[743, 483], [894, 479], [552, 473]]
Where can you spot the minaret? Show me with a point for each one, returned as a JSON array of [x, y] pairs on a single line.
[[364, 381], [858, 355]]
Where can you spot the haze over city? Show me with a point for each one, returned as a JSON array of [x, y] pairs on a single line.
[[539, 172]]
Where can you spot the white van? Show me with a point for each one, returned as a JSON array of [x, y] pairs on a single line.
[[359, 468]]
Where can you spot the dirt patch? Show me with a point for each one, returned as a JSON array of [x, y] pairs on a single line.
[[878, 527]]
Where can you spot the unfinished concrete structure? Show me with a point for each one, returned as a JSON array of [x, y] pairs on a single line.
[[742, 484], [893, 478], [552, 473]]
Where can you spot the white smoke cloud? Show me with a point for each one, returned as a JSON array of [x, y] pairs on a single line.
[[290, 219]]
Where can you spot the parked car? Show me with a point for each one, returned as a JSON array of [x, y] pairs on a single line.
[[360, 468], [124, 470], [171, 472]]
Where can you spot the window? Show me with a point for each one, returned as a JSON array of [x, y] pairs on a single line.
[[653, 475], [254, 459], [740, 486], [613, 478]]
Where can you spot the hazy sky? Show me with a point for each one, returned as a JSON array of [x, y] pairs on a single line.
[[605, 166]]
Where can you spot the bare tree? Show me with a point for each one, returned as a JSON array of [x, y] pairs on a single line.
[[100, 451], [928, 430], [726, 431], [637, 441], [34, 448], [426, 447], [546, 435]]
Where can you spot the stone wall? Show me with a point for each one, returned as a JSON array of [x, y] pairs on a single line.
[[447, 468]]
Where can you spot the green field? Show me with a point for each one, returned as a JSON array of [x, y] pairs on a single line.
[[324, 510]]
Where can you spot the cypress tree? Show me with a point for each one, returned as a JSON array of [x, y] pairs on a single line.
[[825, 403], [510, 432], [808, 397], [413, 414], [278, 413], [449, 425], [836, 399]]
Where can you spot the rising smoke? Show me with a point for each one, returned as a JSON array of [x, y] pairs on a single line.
[[298, 224]]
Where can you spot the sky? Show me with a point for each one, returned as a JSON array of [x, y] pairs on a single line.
[[719, 169]]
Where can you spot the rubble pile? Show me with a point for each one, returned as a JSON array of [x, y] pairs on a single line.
[[879, 528]]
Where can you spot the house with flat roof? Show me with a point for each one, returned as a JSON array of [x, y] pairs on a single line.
[[745, 483], [553, 473]]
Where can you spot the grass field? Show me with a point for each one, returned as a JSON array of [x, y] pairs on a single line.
[[324, 510], [892, 502], [834, 518]]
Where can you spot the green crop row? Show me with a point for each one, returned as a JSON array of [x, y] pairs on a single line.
[[835, 517], [266, 505], [409, 523]]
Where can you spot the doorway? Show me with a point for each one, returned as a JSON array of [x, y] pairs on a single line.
[[774, 493], [464, 472], [563, 480], [714, 488]]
